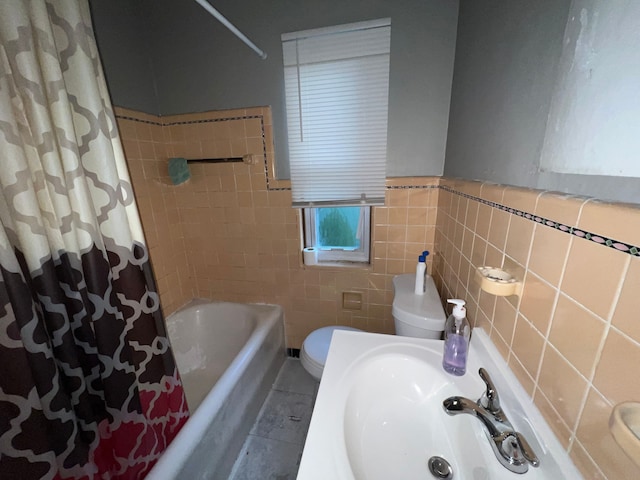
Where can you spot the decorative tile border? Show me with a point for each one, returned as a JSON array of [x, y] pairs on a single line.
[[571, 230], [134, 119], [409, 187], [264, 146]]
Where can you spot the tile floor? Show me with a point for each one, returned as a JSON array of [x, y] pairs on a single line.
[[273, 449]]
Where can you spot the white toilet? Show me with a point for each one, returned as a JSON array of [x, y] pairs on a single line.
[[315, 348], [414, 315], [420, 316]]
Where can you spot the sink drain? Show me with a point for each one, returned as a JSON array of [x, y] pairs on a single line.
[[440, 468]]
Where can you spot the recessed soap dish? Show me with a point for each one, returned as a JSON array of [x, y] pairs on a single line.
[[624, 425], [497, 281]]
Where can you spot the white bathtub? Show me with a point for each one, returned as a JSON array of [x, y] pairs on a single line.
[[228, 355]]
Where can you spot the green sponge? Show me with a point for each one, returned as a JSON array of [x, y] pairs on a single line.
[[179, 170]]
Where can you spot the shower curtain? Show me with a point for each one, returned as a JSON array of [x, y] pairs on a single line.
[[88, 384]]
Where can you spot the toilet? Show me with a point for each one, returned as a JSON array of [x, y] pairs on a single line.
[[420, 316], [315, 348]]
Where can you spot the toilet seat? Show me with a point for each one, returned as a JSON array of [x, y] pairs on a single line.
[[315, 348]]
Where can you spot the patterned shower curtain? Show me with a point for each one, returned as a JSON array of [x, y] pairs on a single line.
[[88, 384]]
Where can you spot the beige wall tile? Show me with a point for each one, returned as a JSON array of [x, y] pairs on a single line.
[[478, 252], [617, 366], [500, 343], [596, 289], [493, 256], [585, 464], [397, 198], [492, 192], [563, 386], [626, 314], [616, 221], [549, 252], [559, 207], [571, 357], [469, 187], [577, 334], [472, 214], [484, 221], [504, 319], [519, 239], [523, 199], [487, 304], [554, 420], [527, 346], [593, 433], [498, 228], [398, 216], [522, 375]]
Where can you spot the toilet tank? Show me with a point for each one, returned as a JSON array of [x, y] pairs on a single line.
[[420, 316]]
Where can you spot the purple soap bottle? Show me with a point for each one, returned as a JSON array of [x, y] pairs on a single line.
[[456, 339]]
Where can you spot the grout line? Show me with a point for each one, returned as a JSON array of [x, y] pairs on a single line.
[[625, 335], [586, 452], [559, 417], [583, 403], [599, 351], [558, 292]]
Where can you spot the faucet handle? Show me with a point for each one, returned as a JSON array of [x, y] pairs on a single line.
[[527, 451], [489, 399]]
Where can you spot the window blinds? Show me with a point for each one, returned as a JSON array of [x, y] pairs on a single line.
[[337, 88]]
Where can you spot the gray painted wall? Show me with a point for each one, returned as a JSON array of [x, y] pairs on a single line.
[[121, 35], [594, 118], [509, 60], [199, 65]]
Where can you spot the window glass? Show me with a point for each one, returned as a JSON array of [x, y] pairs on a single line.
[[341, 234]]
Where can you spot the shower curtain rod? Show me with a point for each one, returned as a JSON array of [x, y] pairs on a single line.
[[207, 6]]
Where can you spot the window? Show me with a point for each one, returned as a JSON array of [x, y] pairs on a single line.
[[339, 233], [336, 89]]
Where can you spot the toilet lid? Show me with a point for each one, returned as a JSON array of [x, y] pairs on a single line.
[[316, 345]]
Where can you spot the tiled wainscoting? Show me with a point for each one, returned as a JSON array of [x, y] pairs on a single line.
[[230, 232], [572, 338]]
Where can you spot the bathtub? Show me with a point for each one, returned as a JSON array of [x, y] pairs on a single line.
[[228, 355]]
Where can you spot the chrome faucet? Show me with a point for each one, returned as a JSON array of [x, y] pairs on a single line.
[[510, 447]]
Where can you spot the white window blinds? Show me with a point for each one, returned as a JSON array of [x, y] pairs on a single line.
[[337, 88]]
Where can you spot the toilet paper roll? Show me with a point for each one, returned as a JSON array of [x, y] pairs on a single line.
[[310, 256]]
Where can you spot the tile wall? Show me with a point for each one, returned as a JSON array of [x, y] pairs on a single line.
[[573, 337], [230, 233]]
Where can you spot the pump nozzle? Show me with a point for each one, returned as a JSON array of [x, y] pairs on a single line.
[[459, 311]]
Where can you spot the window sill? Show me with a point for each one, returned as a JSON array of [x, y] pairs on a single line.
[[341, 265]]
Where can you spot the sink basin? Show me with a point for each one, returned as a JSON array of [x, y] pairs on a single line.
[[379, 415], [393, 418]]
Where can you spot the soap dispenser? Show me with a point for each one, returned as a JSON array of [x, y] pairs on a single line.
[[456, 339]]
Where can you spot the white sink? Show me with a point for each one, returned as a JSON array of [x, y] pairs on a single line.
[[379, 415], [393, 418]]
